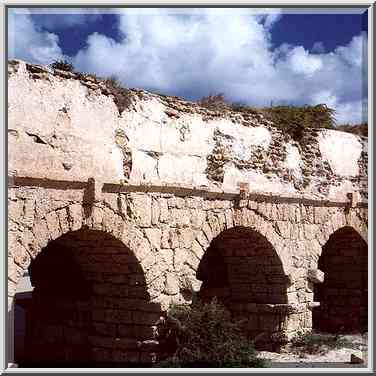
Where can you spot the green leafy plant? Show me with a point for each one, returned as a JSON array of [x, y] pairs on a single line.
[[295, 119], [210, 338]]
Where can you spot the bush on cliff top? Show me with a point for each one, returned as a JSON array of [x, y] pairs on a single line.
[[210, 338], [358, 129], [62, 65], [285, 117]]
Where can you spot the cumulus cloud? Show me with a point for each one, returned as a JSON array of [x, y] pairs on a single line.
[[192, 53], [28, 42]]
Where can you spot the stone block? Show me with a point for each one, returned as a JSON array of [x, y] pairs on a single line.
[[154, 236], [29, 212], [53, 225], [140, 205], [173, 239], [163, 210], [197, 218], [93, 191], [180, 217], [171, 284], [75, 216], [186, 237], [193, 202], [155, 212], [176, 202], [315, 275]]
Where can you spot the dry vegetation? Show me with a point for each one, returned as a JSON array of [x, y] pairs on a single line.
[[290, 118], [358, 129]]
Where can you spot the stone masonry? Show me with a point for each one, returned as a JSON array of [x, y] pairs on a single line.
[[110, 242]]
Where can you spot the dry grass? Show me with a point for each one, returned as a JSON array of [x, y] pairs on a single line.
[[358, 129], [292, 119]]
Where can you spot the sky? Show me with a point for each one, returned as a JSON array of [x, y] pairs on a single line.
[[257, 57]]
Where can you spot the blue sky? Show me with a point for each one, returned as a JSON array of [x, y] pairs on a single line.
[[253, 56]]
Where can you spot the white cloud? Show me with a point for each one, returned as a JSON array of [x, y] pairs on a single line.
[[301, 61], [318, 47], [195, 52], [352, 112], [26, 41], [325, 96]]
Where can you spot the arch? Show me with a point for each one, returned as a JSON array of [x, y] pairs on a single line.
[[75, 224], [28, 243], [339, 220], [90, 302], [242, 269], [245, 218], [343, 295]]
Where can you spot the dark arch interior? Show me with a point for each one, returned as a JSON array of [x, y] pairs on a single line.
[[89, 303], [242, 269], [343, 295]]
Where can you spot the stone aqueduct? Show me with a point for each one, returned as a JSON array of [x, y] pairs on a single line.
[[108, 241]]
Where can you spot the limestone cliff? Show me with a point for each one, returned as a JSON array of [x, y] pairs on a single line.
[[68, 126]]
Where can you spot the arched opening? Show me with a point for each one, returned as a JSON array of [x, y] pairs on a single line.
[[89, 303], [19, 314], [343, 295], [242, 269]]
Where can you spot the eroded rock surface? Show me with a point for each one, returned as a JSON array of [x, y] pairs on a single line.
[[73, 128]]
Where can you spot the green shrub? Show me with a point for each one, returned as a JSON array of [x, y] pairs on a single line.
[[62, 65], [210, 338], [319, 116], [317, 343], [292, 119]]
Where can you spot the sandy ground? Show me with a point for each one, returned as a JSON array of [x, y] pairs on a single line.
[[340, 356]]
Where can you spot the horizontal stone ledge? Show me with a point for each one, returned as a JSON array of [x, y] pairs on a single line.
[[176, 189], [18, 181]]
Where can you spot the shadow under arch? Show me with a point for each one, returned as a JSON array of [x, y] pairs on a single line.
[[90, 303], [242, 269], [343, 295]]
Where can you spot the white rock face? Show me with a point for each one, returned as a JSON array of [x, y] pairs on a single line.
[[61, 129], [293, 160], [57, 122], [342, 151]]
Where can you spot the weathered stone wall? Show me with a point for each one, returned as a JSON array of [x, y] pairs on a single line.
[[169, 235], [72, 128], [160, 182]]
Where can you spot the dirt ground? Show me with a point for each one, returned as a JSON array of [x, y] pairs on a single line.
[[327, 358]]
